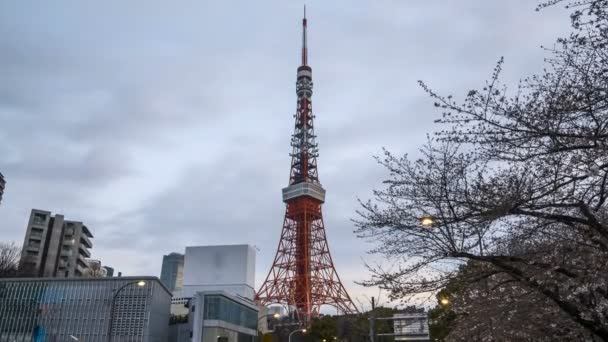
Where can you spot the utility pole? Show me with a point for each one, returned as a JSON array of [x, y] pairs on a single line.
[[371, 322]]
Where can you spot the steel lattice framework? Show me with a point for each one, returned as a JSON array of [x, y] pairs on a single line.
[[303, 275]]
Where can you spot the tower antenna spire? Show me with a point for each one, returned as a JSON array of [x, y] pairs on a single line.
[[304, 47]]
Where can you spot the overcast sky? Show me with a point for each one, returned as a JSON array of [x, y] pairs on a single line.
[[162, 125]]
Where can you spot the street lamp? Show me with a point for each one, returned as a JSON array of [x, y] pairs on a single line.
[[427, 221], [139, 283], [295, 331], [444, 301], [276, 315]]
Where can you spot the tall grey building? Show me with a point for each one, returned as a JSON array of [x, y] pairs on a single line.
[[55, 247], [2, 184], [172, 272]]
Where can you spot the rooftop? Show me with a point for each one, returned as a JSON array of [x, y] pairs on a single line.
[[82, 279]]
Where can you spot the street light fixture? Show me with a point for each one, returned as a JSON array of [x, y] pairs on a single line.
[[427, 221], [276, 315], [295, 331], [444, 301], [139, 283]]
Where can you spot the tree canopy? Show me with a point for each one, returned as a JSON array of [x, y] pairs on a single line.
[[513, 181]]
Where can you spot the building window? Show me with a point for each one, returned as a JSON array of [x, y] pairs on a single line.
[[224, 309], [39, 218]]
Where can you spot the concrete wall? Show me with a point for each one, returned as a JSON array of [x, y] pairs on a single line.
[[55, 240]]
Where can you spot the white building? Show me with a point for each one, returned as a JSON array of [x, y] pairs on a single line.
[[228, 268]]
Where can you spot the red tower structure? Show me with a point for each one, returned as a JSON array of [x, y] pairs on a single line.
[[303, 275]]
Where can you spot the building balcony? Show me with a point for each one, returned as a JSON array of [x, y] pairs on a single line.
[[86, 231], [82, 261], [32, 248], [30, 259], [80, 270], [82, 250], [86, 241], [37, 233]]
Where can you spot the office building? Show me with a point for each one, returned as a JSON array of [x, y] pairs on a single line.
[[229, 268], [109, 271], [133, 309], [55, 247], [411, 327], [172, 271], [2, 185], [220, 316]]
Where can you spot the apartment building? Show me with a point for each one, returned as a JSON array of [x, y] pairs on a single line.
[[55, 247]]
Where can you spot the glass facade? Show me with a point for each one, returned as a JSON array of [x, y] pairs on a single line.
[[220, 308], [60, 309], [172, 271], [222, 316]]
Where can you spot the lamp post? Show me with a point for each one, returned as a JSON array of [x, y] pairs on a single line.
[[295, 331], [139, 283], [275, 315]]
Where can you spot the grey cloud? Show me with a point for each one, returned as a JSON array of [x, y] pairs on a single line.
[[163, 125]]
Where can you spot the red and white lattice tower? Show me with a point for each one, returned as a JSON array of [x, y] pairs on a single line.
[[303, 275]]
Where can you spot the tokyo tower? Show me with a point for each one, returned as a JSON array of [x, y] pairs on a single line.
[[303, 275]]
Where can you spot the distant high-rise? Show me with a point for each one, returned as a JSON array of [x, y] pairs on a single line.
[[2, 184], [172, 272], [54, 247], [109, 271]]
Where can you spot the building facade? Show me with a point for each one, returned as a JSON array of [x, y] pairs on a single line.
[[221, 316], [411, 327], [172, 271], [84, 309], [229, 268], [2, 185], [55, 247]]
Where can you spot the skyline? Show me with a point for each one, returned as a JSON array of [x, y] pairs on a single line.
[[151, 142]]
